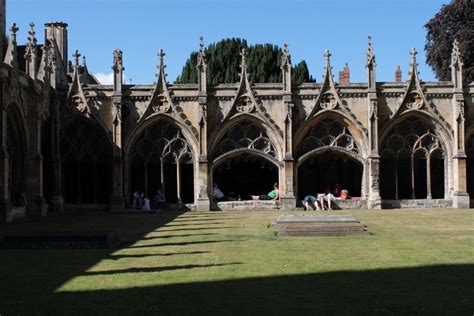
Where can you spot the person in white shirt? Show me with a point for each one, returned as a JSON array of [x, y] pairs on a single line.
[[217, 194]]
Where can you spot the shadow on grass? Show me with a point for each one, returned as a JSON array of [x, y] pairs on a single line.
[[117, 257], [184, 243], [444, 289], [175, 236], [159, 269], [194, 229]]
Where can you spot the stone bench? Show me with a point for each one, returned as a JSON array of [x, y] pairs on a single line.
[[247, 205]]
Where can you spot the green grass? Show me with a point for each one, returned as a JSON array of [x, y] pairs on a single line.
[[415, 262]]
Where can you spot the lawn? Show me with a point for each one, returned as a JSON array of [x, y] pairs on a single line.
[[414, 262]]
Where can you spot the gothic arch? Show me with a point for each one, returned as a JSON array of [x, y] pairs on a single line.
[[438, 128], [329, 129], [161, 153], [245, 132], [86, 156], [155, 119], [413, 158]]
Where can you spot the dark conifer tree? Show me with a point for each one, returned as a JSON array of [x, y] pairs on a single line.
[[223, 59]]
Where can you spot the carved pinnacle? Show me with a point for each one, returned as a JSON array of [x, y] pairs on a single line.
[[76, 56], [13, 30]]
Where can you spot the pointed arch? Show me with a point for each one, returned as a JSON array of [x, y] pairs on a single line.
[[330, 129], [245, 131], [413, 165], [86, 157], [161, 153]]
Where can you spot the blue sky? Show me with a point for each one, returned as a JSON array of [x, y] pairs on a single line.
[[141, 27]]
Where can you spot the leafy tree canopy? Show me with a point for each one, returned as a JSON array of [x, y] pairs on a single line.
[[453, 21], [223, 64]]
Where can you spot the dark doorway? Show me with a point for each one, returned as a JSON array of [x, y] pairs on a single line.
[[329, 168], [437, 175], [245, 175]]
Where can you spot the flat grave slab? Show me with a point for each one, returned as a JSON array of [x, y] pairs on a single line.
[[319, 225]]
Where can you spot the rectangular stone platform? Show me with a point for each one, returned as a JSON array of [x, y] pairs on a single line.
[[319, 225], [75, 239]]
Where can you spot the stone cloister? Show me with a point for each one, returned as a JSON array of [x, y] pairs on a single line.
[[70, 143]]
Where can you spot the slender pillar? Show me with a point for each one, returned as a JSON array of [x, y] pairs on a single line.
[[178, 183], [412, 174], [395, 168], [428, 178]]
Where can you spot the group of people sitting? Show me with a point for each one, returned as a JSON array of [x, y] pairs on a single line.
[[323, 201], [219, 196], [142, 202]]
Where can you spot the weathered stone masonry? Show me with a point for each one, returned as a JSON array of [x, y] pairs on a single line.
[[70, 143]]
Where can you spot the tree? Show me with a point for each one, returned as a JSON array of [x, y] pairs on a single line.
[[453, 21], [223, 64]]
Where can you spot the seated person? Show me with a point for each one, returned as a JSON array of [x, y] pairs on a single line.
[[137, 200], [272, 195], [159, 199], [146, 204], [217, 194], [310, 200], [345, 195]]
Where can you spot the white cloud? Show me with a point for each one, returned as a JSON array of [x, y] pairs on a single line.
[[107, 79]]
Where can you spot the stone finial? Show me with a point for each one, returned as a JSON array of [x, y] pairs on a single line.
[[398, 74], [14, 29], [413, 54], [370, 54], [285, 57], [118, 61], [327, 55], [76, 56], [243, 61], [32, 38], [84, 62], [456, 60], [161, 56], [201, 58]]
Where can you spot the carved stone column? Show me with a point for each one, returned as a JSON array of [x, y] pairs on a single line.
[[57, 200], [287, 195], [5, 202], [117, 201], [35, 205], [460, 195], [202, 187], [374, 199]]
